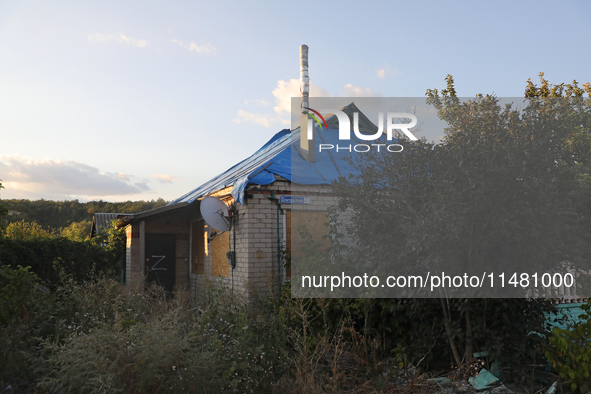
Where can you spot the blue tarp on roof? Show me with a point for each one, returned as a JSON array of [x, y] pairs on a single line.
[[256, 166], [273, 158], [280, 156]]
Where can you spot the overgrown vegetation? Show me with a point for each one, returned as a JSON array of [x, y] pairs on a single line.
[[51, 255], [87, 333], [569, 353], [505, 188], [99, 336]]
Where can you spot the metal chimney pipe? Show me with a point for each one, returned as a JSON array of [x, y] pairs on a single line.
[[304, 78], [307, 140]]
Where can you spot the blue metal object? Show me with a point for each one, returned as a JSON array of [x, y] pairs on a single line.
[[572, 312], [484, 380]]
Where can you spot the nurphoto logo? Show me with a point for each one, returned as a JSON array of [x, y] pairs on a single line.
[[392, 119]]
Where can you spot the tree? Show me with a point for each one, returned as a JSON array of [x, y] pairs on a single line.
[[77, 231], [501, 193], [26, 231]]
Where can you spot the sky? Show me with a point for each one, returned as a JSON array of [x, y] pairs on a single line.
[[139, 100]]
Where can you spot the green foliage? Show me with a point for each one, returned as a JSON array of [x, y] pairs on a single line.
[[569, 353], [61, 214], [77, 231], [512, 330], [99, 336], [116, 238], [23, 230], [547, 89], [468, 204], [16, 290], [20, 299], [51, 258], [129, 342], [498, 168], [71, 253]]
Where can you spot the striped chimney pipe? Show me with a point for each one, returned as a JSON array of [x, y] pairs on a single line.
[[307, 140]]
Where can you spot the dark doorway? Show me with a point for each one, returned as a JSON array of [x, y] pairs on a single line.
[[160, 260]]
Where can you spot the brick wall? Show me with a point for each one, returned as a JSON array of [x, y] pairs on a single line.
[[256, 231], [132, 254]]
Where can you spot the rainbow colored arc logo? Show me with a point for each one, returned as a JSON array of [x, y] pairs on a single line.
[[316, 119]]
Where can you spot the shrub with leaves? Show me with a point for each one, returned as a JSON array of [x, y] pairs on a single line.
[[121, 339], [18, 302], [569, 353], [51, 257], [16, 288]]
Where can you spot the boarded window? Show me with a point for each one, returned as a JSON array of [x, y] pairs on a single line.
[[198, 247], [219, 261], [316, 225], [288, 242]]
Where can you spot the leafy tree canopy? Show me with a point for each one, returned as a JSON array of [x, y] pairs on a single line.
[[503, 190], [507, 190]]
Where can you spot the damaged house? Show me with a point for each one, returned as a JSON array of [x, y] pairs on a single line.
[[175, 247]]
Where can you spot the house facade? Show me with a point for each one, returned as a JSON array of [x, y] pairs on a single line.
[[174, 246]]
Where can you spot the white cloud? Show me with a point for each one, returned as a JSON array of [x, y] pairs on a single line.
[[200, 49], [121, 38], [165, 178], [387, 70], [47, 178], [247, 117], [285, 90], [358, 91], [283, 93], [261, 102]]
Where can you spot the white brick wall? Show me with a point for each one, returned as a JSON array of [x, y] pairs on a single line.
[[256, 239]]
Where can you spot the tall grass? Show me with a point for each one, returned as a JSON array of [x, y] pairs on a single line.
[[100, 337], [124, 340]]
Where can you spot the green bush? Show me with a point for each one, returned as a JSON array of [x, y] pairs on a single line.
[[117, 339], [100, 336], [26, 231], [51, 257], [19, 300], [16, 288], [569, 353]]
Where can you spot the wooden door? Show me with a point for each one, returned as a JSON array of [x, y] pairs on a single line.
[[160, 260]]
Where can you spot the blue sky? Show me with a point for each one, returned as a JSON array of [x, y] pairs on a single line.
[[130, 100]]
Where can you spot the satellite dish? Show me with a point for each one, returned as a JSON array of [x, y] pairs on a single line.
[[215, 213]]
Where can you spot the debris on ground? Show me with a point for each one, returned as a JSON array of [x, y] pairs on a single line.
[[552, 388], [484, 380]]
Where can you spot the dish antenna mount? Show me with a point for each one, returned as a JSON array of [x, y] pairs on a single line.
[[215, 214]]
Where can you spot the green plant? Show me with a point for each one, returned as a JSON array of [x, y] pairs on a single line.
[[16, 289], [48, 257], [123, 339], [19, 301], [26, 231], [569, 353]]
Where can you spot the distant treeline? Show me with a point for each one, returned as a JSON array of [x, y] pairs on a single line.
[[59, 214]]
